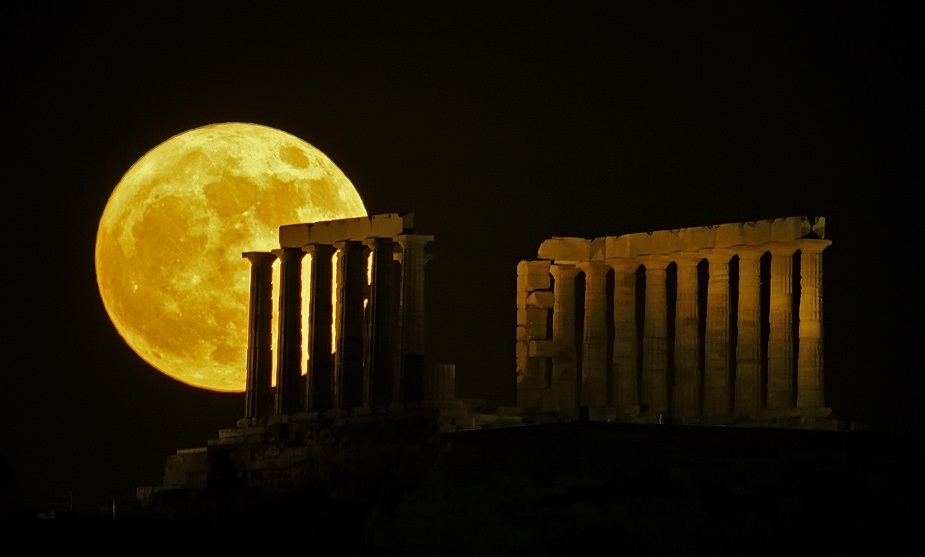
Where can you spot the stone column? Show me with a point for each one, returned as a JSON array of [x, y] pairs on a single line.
[[382, 319], [351, 385], [413, 259], [625, 392], [810, 377], [747, 401], [594, 366], [687, 376], [655, 336], [780, 339], [259, 335], [535, 303], [717, 375], [319, 385], [564, 362], [289, 349]]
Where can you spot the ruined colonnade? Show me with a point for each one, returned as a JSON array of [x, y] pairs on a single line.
[[364, 329], [696, 324]]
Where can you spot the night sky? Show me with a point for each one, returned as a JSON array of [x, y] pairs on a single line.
[[500, 124]]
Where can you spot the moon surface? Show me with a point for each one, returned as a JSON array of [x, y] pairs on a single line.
[[169, 243]]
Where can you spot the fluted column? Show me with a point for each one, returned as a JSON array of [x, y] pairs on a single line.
[[382, 317], [319, 385], [259, 335], [655, 336], [351, 385], [747, 401], [289, 349], [564, 363], [413, 259], [625, 392], [810, 368], [717, 376], [780, 335], [594, 337], [687, 376]]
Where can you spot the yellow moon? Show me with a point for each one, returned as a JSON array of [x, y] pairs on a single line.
[[169, 242]]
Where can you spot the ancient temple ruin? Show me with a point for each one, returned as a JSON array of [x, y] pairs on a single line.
[[716, 325], [363, 329], [712, 324]]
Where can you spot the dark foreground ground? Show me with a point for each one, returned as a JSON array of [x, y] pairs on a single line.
[[584, 486]]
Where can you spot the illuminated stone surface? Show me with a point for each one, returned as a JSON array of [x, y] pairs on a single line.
[[741, 361]]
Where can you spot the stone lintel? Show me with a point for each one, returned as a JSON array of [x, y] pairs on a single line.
[[730, 235], [386, 225], [565, 248]]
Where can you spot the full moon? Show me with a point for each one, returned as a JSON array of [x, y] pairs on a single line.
[[169, 243]]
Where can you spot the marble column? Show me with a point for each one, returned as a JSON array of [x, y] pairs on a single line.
[[655, 336], [717, 375], [289, 339], [319, 385], [625, 385], [413, 259], [748, 392], [382, 319], [810, 376], [594, 367], [687, 375], [351, 385], [259, 335], [780, 335], [565, 361]]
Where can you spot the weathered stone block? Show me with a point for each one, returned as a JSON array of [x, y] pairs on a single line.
[[532, 275], [540, 299], [386, 225], [541, 349], [531, 316], [526, 333], [565, 249]]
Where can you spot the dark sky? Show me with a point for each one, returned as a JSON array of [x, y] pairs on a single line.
[[500, 124]]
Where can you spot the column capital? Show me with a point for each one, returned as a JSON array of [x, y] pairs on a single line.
[[778, 249], [560, 271], [722, 255], [750, 252], [258, 258], [692, 258], [314, 249], [812, 245], [413, 240], [655, 261], [595, 268], [289, 254], [623, 264]]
